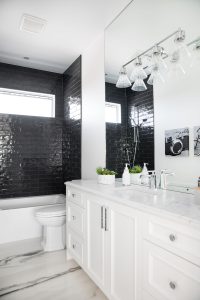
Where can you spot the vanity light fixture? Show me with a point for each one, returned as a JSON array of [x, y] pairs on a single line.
[[176, 64], [155, 75], [180, 45], [138, 71], [157, 57], [139, 85], [138, 75], [157, 65], [123, 80]]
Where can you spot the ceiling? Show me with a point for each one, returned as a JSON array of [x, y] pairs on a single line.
[[144, 23], [71, 27]]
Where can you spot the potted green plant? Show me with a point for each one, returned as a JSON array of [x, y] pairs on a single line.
[[105, 176], [135, 174]]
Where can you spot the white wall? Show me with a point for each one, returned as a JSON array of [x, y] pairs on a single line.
[[93, 109], [177, 105], [93, 97]]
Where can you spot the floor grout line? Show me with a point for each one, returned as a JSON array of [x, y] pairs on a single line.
[[35, 282], [4, 262]]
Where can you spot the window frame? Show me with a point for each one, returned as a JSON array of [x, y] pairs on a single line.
[[50, 97], [118, 112]]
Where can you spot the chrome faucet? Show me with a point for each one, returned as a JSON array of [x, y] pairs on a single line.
[[163, 178], [152, 179]]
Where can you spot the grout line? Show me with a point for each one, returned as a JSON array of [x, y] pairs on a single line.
[[35, 282], [25, 256]]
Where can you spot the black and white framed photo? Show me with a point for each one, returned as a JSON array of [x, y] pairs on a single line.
[[177, 142], [197, 141]]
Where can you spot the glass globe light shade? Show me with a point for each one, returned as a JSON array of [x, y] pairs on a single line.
[[138, 70], [123, 80], [139, 85], [156, 76], [180, 45]]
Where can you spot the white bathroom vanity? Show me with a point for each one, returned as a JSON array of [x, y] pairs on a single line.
[[135, 243]]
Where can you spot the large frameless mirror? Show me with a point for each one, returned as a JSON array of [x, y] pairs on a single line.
[[152, 66]]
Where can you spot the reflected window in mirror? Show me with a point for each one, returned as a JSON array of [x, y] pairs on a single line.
[[113, 112]]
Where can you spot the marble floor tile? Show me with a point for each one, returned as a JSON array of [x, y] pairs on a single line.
[[37, 275]]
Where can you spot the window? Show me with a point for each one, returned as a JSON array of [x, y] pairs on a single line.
[[113, 112], [27, 103]]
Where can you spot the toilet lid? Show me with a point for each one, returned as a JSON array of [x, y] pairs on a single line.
[[53, 210]]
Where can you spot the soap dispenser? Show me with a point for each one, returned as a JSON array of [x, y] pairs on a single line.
[[144, 174], [126, 179]]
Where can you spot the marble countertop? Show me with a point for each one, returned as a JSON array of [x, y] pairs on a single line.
[[179, 206]]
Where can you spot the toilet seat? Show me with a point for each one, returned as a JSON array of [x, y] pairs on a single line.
[[52, 211]]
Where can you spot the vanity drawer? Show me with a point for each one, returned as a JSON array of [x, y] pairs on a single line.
[[167, 276], [146, 296], [180, 239], [75, 218], [75, 246], [76, 197]]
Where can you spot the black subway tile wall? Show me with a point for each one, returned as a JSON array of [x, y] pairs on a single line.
[[32, 80], [116, 134], [31, 148], [72, 122], [143, 103], [120, 137], [30, 156]]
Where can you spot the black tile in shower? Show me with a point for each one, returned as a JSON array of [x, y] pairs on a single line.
[[121, 136], [38, 154]]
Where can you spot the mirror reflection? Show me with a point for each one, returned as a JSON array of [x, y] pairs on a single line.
[[152, 66]]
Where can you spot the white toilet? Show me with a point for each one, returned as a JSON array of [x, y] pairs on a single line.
[[53, 219]]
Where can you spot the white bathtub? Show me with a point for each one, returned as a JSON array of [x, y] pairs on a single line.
[[17, 216]]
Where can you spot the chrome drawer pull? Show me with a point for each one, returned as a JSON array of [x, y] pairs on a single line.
[[102, 217], [172, 285], [106, 221], [74, 218], [172, 237], [73, 195], [73, 246]]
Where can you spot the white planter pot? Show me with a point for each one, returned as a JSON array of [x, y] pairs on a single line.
[[136, 178], [106, 179]]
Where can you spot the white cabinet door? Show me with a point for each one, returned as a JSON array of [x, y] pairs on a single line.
[[169, 277], [122, 231], [95, 240]]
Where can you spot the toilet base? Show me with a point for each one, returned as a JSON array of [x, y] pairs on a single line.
[[53, 238]]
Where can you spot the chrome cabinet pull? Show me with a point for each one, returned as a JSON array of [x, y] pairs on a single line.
[[102, 217], [73, 246], [172, 237], [106, 221], [73, 218], [73, 195], [172, 285]]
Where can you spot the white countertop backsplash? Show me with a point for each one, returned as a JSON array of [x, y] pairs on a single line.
[[177, 205]]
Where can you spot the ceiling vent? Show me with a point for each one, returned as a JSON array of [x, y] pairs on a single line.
[[32, 24]]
